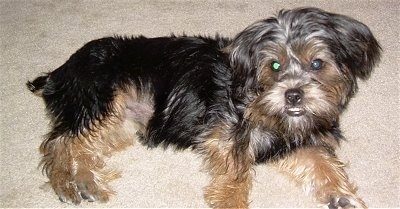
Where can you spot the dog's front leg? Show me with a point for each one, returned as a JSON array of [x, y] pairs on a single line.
[[231, 177], [322, 173]]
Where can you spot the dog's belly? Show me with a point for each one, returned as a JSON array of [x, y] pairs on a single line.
[[138, 110]]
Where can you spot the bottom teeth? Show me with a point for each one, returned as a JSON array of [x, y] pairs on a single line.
[[295, 109]]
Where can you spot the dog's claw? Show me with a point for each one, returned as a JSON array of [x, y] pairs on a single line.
[[344, 203], [76, 192], [87, 197]]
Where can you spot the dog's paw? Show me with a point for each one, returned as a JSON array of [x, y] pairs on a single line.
[[67, 192], [91, 192], [345, 202], [76, 192], [83, 187]]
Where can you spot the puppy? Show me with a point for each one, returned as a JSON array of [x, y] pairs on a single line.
[[272, 94]]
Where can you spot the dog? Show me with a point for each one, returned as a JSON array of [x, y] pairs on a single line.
[[273, 94]]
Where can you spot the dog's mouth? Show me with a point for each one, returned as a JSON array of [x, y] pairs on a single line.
[[295, 111]]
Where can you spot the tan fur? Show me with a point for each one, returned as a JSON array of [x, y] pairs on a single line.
[[319, 173], [230, 181], [77, 162], [276, 113]]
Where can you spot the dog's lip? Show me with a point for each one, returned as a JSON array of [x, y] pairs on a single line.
[[295, 111]]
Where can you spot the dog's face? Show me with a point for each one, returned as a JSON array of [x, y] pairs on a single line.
[[298, 71]]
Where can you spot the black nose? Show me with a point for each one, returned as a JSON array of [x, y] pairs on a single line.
[[294, 96]]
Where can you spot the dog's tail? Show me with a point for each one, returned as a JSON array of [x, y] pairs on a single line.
[[36, 86]]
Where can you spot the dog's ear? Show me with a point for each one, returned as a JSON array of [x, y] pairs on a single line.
[[245, 56], [360, 51]]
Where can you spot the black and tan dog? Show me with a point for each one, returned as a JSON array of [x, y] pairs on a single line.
[[272, 94]]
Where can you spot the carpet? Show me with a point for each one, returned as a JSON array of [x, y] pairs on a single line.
[[39, 35]]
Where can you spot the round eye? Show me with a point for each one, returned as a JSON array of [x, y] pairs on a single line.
[[275, 66], [316, 64]]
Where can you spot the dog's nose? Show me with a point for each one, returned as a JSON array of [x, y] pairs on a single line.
[[294, 96]]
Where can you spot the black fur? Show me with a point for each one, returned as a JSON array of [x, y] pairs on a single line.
[[189, 78], [352, 42], [197, 84]]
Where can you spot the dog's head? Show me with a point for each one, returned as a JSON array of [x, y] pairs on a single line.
[[298, 70]]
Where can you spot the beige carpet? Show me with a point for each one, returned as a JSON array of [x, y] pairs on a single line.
[[38, 36]]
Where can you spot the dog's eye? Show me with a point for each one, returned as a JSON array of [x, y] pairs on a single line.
[[316, 64], [275, 66]]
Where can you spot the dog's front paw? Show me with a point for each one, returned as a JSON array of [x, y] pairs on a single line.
[[345, 202]]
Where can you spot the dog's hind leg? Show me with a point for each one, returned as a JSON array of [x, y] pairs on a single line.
[[95, 110], [321, 173], [74, 163]]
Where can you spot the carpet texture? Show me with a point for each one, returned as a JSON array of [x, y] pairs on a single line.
[[38, 36]]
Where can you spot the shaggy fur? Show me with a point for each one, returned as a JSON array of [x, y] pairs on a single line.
[[273, 93]]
